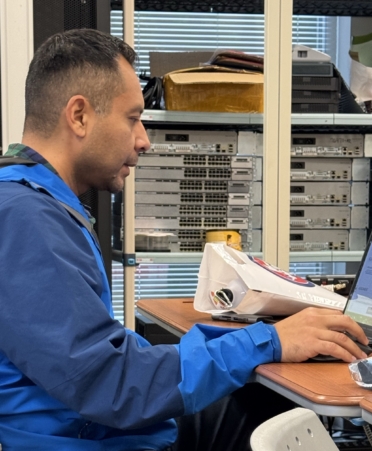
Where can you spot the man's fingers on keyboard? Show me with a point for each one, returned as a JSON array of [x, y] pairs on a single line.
[[346, 324], [319, 331], [340, 345], [327, 319]]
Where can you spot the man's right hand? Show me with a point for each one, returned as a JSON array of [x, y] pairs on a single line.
[[316, 331]]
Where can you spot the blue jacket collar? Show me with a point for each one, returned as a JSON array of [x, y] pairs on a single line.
[[45, 178]]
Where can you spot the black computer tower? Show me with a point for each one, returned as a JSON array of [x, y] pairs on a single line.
[[53, 16]]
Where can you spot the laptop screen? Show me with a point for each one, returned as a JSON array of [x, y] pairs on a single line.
[[359, 304]]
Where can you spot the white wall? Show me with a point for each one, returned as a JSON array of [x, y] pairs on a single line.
[[16, 30]]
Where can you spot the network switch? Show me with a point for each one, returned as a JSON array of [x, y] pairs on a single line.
[[320, 217], [318, 240], [321, 169], [218, 223], [325, 217], [327, 145], [192, 141], [310, 193]]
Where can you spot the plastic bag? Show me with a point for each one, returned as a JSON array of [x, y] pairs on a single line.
[[361, 81], [361, 67], [231, 280], [361, 372]]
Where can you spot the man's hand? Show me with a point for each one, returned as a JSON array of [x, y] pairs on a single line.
[[316, 331]]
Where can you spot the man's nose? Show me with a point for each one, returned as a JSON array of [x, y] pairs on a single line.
[[143, 143]]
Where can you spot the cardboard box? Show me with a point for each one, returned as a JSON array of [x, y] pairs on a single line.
[[214, 89]]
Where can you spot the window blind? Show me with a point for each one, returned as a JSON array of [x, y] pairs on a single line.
[[176, 32]]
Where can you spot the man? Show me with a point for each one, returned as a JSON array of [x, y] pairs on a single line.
[[71, 377]]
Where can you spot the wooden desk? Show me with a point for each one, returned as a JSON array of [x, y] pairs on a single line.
[[177, 315], [325, 388]]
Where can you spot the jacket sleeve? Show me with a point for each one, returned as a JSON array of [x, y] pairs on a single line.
[[56, 330], [216, 361]]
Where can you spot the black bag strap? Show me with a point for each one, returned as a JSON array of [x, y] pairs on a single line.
[[81, 220], [8, 161]]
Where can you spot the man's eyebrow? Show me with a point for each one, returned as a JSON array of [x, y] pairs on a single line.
[[136, 109]]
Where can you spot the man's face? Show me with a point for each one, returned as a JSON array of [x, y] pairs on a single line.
[[114, 139]]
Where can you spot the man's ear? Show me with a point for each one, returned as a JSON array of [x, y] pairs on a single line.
[[77, 112]]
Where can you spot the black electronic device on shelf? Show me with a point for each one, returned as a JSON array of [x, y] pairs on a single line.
[[320, 88], [344, 281]]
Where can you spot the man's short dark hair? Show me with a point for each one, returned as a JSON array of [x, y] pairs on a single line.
[[83, 61]]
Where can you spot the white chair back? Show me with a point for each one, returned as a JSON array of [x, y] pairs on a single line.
[[296, 430]]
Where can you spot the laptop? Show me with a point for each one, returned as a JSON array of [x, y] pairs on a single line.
[[359, 302], [245, 318]]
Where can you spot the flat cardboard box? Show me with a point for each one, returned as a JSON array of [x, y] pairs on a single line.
[[214, 89]]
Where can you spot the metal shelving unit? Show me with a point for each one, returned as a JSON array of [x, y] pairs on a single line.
[[303, 7], [239, 119], [295, 257]]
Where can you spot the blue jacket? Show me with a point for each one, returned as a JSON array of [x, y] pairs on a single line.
[[71, 376]]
